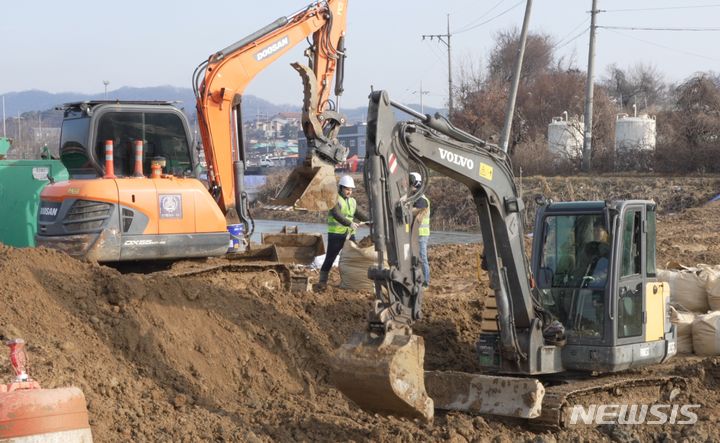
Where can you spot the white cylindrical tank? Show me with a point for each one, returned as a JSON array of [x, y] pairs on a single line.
[[634, 133], [565, 136]]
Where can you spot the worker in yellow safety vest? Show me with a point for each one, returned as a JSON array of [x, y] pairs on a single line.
[[421, 208], [343, 220]]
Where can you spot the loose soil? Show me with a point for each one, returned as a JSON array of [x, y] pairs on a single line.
[[233, 356]]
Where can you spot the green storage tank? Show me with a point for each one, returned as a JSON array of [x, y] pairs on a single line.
[[20, 184]]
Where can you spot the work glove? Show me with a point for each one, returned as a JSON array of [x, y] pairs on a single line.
[[354, 226]]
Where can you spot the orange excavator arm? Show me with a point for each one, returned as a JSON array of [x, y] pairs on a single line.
[[220, 82]]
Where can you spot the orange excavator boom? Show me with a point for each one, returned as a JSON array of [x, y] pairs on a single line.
[[221, 80]]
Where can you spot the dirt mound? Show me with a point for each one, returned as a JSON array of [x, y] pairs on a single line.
[[228, 356], [216, 356]]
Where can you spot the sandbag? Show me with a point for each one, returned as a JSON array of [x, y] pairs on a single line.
[[684, 345], [354, 263], [706, 334], [687, 288], [683, 322], [712, 286]]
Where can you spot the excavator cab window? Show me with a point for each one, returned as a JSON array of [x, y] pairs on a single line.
[[650, 266], [575, 260], [630, 297], [162, 133], [73, 154]]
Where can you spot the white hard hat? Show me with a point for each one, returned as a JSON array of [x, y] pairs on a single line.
[[415, 179], [347, 181]]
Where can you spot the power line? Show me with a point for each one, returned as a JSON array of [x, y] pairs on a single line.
[[714, 5], [462, 29], [493, 18], [680, 51], [558, 46], [634, 28], [572, 31]]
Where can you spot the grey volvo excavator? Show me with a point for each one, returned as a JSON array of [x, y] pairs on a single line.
[[586, 302]]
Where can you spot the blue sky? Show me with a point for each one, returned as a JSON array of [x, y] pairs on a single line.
[[73, 46]]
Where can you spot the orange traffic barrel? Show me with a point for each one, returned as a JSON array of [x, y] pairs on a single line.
[[43, 415]]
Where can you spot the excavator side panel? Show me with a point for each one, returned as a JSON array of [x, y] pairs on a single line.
[[131, 219], [656, 310]]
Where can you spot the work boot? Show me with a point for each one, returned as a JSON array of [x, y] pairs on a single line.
[[321, 285]]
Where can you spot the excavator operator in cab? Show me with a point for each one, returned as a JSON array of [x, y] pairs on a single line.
[[595, 257], [342, 225]]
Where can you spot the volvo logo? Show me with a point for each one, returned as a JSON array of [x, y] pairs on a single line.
[[456, 159]]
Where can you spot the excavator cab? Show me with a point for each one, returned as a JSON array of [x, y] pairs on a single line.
[[595, 268]]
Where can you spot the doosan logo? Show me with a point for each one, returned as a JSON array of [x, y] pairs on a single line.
[[51, 212], [270, 50], [457, 159]]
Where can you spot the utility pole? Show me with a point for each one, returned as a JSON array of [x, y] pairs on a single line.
[[421, 92], [589, 90], [4, 125], [19, 129], [510, 110], [445, 39]]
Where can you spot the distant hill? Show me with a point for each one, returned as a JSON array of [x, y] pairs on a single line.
[[34, 101]]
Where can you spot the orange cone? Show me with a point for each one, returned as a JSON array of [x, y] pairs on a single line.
[[109, 165]]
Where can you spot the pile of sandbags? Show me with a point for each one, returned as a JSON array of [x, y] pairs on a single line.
[[695, 300]]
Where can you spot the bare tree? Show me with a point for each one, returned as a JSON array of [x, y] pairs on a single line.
[[538, 57], [641, 84], [689, 134]]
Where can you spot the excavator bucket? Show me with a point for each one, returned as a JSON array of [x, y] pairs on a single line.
[[384, 375], [292, 247], [308, 188], [288, 247]]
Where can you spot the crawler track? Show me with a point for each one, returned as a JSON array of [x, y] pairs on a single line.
[[560, 398]]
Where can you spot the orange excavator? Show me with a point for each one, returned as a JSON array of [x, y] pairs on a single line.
[[111, 209]]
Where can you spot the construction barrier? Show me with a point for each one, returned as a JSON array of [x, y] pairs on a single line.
[[43, 415]]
